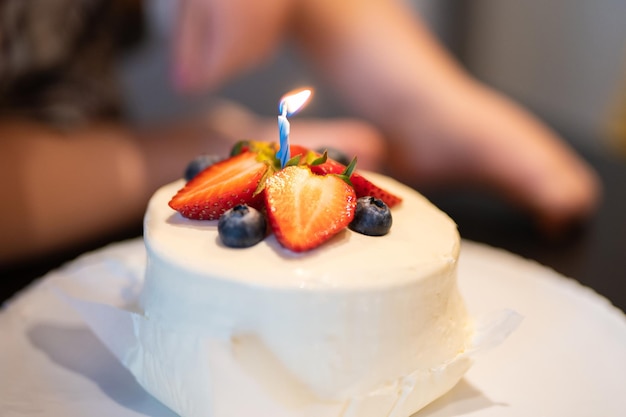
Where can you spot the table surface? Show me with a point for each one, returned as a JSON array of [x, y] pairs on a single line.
[[595, 254]]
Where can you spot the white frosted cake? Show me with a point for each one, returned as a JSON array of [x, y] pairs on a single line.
[[360, 326]]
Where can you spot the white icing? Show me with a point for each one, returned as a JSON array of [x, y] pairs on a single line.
[[367, 326]]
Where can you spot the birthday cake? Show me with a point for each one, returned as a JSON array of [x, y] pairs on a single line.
[[301, 322]]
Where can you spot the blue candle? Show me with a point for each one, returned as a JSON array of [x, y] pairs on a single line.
[[283, 132], [288, 106]]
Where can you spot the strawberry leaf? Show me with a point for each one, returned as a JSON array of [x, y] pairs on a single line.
[[239, 147], [271, 169], [350, 168], [293, 161], [347, 173], [344, 178], [321, 160]]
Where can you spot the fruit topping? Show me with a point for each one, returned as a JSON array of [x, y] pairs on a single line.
[[298, 150], [304, 209], [336, 155], [200, 163], [372, 217], [221, 187], [362, 186], [241, 226], [306, 202]]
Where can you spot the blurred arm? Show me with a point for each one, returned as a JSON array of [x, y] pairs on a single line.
[[62, 188], [443, 126]]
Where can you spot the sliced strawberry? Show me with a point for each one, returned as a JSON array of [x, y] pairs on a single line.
[[304, 209], [296, 150], [220, 187], [362, 186]]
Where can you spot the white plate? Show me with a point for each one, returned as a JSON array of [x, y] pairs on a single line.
[[568, 358]]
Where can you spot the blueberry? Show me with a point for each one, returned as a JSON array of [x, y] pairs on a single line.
[[372, 217], [336, 155], [199, 163], [241, 227]]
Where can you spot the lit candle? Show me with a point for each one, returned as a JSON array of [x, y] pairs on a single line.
[[289, 105]]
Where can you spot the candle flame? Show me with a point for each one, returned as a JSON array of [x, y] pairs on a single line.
[[293, 101]]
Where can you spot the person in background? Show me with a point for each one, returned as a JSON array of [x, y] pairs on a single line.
[[72, 168]]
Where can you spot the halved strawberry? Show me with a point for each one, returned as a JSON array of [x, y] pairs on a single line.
[[295, 150], [304, 209], [220, 187], [362, 186]]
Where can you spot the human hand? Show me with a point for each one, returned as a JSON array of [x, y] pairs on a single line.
[[215, 40], [471, 135]]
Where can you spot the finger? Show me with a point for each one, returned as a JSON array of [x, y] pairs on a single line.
[[191, 44]]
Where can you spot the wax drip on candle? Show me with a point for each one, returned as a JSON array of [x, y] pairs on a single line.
[[289, 105]]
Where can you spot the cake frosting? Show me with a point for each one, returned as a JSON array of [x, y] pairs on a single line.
[[360, 326]]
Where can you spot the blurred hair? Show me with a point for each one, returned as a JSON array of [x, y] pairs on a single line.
[[57, 57]]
